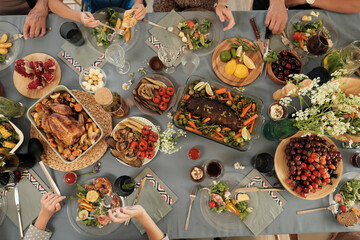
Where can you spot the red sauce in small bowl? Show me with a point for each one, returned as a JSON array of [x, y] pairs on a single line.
[[70, 178], [194, 154]]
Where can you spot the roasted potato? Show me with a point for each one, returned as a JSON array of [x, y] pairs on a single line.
[[4, 38], [5, 45], [3, 51]]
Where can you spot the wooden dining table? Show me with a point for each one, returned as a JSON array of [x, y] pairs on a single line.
[[174, 169]]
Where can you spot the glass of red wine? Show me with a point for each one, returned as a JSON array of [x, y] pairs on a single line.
[[355, 160], [317, 44], [214, 169]]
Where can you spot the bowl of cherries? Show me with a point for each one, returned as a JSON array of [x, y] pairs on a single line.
[[283, 64], [309, 167]]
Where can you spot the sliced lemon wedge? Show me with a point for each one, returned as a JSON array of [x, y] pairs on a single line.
[[245, 134], [248, 62]]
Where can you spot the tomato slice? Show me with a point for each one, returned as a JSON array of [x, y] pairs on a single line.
[[153, 136], [134, 145], [143, 145], [141, 155], [156, 99], [165, 98], [162, 91], [163, 106], [170, 91], [151, 145], [150, 154], [190, 24]]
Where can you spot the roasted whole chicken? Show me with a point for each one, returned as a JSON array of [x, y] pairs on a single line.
[[58, 120]]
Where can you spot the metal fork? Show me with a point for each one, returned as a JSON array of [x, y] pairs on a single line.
[[331, 208], [169, 29], [192, 198], [20, 35], [116, 30]]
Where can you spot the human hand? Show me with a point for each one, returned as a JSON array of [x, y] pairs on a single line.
[[35, 22], [225, 14], [276, 17], [124, 213], [50, 204], [140, 11], [293, 3], [88, 20]]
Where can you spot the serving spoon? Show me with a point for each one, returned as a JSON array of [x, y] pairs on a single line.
[[331, 208]]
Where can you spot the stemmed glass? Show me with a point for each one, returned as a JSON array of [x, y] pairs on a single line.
[[115, 54], [350, 57], [168, 57]]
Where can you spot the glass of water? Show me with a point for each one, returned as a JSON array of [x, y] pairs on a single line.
[[190, 62], [350, 57], [168, 56], [115, 54]]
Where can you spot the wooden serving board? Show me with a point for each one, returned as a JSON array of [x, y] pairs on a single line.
[[282, 170], [21, 82], [219, 66]]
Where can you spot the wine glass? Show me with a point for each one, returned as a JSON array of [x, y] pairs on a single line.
[[115, 54], [168, 57], [318, 44], [350, 57]]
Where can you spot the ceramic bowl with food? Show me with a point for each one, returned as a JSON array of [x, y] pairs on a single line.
[[92, 79]]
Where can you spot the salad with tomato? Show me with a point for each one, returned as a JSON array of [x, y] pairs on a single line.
[[304, 30], [195, 33], [221, 201]]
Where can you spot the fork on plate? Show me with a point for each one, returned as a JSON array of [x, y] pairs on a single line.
[[331, 208], [192, 198]]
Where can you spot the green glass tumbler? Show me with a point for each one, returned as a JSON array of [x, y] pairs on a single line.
[[277, 130]]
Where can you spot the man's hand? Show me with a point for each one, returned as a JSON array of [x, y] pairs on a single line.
[[35, 22], [88, 20], [225, 14], [293, 3], [140, 11], [277, 16]]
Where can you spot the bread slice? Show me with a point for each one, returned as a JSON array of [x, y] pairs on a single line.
[[347, 218]]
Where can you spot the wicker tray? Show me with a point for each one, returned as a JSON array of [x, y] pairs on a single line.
[[51, 159]]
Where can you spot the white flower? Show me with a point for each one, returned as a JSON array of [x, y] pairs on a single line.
[[125, 86], [169, 115], [170, 124]]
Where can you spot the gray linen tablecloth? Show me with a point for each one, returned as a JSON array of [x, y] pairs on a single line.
[[174, 169]]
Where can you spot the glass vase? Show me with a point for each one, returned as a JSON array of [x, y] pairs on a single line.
[[278, 130]]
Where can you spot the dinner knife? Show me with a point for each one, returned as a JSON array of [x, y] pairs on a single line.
[[267, 39], [17, 203], [258, 41], [142, 184], [286, 41], [255, 189]]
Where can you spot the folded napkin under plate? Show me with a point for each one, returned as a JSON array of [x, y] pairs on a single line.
[[270, 203], [81, 57], [156, 198]]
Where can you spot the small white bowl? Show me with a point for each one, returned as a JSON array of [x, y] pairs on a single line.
[[85, 72], [19, 132]]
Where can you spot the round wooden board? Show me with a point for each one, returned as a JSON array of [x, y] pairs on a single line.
[[219, 66], [21, 82], [282, 170]]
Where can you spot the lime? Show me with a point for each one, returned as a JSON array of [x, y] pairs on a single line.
[[241, 71], [230, 67], [225, 56], [239, 51], [233, 52]]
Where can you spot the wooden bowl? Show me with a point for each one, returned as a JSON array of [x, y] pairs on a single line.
[[282, 170], [272, 75], [219, 66]]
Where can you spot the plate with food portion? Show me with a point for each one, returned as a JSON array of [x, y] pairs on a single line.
[[309, 167], [346, 197], [89, 205], [101, 37], [313, 32], [65, 124], [237, 61], [36, 74], [154, 94], [9, 49], [134, 141], [219, 113], [223, 209], [201, 31]]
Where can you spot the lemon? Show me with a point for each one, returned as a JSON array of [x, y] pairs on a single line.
[[230, 67], [92, 195], [248, 62], [245, 134], [241, 71], [240, 197], [325, 62]]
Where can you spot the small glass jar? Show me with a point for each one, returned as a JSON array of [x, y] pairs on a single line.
[[194, 153], [112, 103], [70, 178], [277, 111]]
